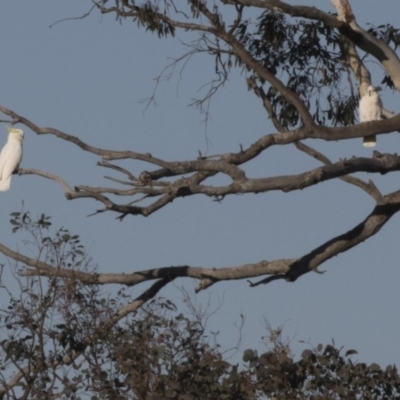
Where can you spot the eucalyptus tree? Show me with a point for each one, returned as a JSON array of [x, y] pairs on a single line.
[[294, 59]]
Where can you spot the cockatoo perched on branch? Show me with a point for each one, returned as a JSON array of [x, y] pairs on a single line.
[[370, 110], [10, 157]]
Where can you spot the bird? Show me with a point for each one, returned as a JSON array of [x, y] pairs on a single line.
[[10, 157], [370, 110]]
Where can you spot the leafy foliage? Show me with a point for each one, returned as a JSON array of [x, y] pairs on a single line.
[[63, 249], [322, 373], [308, 56], [390, 35]]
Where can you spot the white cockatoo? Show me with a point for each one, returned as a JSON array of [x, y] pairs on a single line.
[[370, 110], [10, 157]]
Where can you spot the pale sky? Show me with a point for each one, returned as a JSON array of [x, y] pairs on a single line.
[[88, 78]]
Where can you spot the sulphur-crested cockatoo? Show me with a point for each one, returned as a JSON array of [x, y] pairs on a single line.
[[10, 157], [370, 110]]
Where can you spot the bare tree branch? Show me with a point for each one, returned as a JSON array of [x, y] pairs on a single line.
[[67, 189], [369, 227], [290, 269], [191, 186], [369, 187]]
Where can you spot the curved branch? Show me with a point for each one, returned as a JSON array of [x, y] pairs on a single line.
[[369, 187], [167, 192], [360, 72], [289, 183], [69, 192], [290, 269], [177, 168], [368, 42], [369, 227], [105, 154], [192, 186], [380, 215], [226, 163]]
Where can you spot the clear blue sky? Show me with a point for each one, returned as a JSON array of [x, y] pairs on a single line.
[[88, 77]]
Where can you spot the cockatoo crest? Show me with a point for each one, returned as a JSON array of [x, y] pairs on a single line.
[[15, 131]]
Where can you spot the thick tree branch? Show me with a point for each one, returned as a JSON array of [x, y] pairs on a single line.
[[369, 227], [290, 269], [369, 187], [226, 164], [150, 184], [40, 268], [368, 42], [191, 186], [223, 164], [360, 72]]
